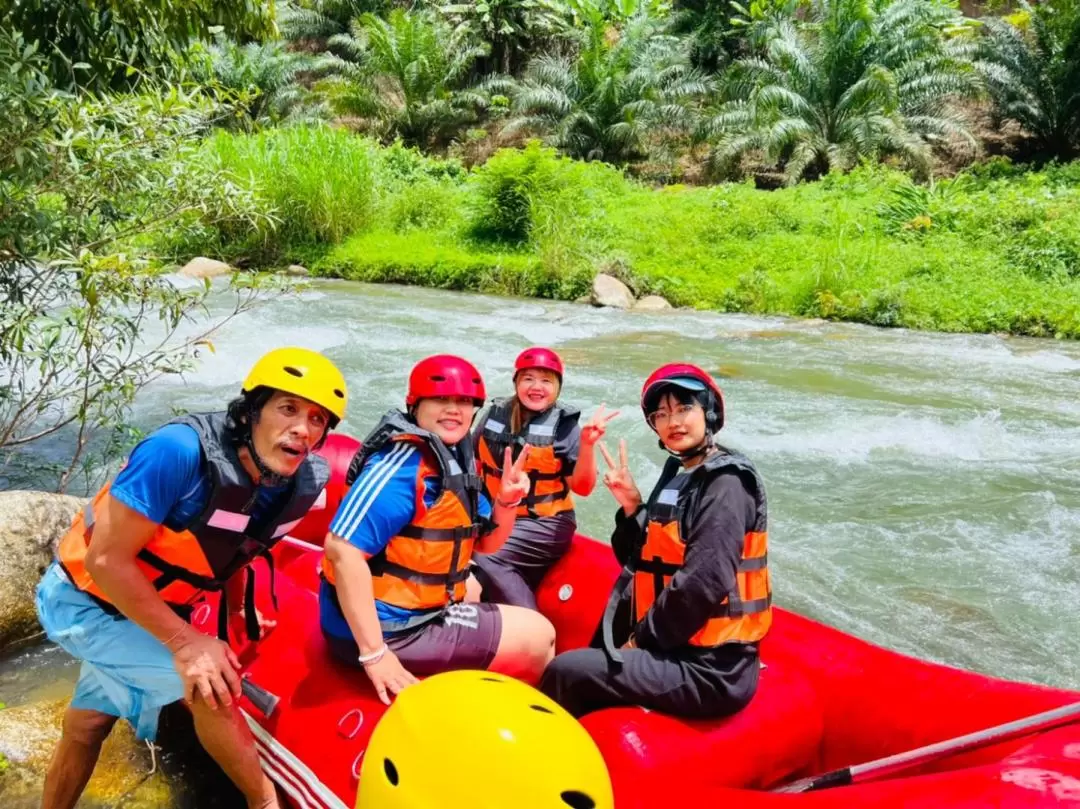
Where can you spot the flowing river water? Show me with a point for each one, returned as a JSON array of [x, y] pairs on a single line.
[[924, 489]]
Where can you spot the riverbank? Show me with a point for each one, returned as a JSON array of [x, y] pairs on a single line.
[[996, 250]]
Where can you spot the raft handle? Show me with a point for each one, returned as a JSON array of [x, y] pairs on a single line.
[[359, 723]]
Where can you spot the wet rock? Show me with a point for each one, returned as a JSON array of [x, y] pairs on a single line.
[[652, 303], [610, 291], [123, 777], [202, 267], [299, 270], [31, 523]]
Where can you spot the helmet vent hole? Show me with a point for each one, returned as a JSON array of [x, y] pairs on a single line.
[[339, 394], [578, 800], [438, 378], [392, 774], [294, 371], [492, 680], [541, 709]]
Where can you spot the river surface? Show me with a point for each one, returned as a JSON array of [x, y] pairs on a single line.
[[924, 489]]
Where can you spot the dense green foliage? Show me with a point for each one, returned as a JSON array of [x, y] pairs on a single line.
[[363, 138], [871, 246], [97, 43], [85, 184]]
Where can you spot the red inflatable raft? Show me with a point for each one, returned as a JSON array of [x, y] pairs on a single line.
[[826, 700]]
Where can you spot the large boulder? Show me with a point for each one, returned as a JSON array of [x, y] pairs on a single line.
[[202, 267], [652, 303], [607, 290], [31, 523], [123, 777]]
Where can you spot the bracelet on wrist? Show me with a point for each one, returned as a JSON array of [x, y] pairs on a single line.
[[373, 657], [174, 636]]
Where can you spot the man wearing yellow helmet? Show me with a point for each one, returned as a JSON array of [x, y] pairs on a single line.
[[196, 503], [535, 755]]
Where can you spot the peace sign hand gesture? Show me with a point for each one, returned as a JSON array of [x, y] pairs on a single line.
[[515, 480], [619, 480], [593, 430]]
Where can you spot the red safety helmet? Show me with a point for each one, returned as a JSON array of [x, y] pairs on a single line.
[[538, 357], [689, 377], [445, 375]]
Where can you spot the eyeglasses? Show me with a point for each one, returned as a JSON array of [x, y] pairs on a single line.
[[660, 418]]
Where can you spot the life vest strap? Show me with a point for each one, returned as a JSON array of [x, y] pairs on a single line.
[[458, 534], [757, 563], [171, 573], [657, 565], [382, 567], [739, 608], [607, 623]]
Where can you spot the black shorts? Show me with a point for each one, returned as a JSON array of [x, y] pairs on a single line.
[[512, 574], [464, 636]]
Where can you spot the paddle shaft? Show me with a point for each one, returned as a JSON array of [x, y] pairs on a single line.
[[882, 767]]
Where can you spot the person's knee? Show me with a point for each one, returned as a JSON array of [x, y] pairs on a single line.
[[87, 728], [545, 641], [538, 638]]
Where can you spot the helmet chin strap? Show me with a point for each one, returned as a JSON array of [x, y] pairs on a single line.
[[267, 476]]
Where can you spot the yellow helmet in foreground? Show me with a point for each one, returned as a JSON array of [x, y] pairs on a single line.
[[478, 740], [302, 372]]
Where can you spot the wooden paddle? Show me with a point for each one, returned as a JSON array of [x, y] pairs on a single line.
[[882, 767]]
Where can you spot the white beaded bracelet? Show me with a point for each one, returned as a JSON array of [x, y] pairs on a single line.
[[373, 657]]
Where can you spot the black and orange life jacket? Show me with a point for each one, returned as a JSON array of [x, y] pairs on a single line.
[[745, 614], [219, 542], [426, 564], [549, 483]]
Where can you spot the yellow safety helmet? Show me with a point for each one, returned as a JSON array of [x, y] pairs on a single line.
[[479, 740], [302, 372]]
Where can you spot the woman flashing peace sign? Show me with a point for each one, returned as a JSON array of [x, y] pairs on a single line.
[[400, 545], [561, 461], [683, 624]]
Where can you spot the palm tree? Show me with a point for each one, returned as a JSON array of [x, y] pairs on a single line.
[[265, 78], [321, 19], [408, 72], [1032, 69], [856, 80], [624, 88], [510, 27]]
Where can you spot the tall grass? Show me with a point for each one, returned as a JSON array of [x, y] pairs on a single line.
[[997, 250]]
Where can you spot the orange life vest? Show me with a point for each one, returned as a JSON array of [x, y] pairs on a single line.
[[745, 615], [549, 484], [182, 565], [425, 566]]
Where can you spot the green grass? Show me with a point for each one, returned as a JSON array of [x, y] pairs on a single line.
[[996, 251]]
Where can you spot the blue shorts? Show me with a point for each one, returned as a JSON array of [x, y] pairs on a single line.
[[126, 671]]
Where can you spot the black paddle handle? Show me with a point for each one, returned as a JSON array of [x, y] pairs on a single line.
[[262, 699]]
